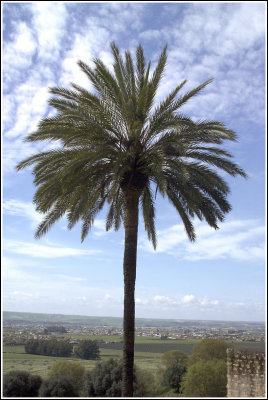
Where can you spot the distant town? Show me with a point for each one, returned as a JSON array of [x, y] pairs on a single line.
[[19, 331]]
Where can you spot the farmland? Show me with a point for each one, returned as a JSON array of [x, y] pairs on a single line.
[[148, 352]]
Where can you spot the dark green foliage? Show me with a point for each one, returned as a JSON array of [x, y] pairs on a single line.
[[176, 365], [172, 376], [87, 349], [58, 386], [59, 329], [209, 349], [205, 379], [21, 384], [105, 380], [53, 347], [31, 346]]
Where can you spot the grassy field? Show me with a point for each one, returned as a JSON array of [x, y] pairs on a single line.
[[14, 357], [148, 352]]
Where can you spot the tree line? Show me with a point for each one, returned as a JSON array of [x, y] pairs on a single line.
[[86, 349], [59, 329], [51, 347]]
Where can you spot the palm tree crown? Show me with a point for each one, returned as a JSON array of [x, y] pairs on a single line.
[[114, 142]]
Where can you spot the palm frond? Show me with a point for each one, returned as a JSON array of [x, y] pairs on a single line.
[[149, 214]]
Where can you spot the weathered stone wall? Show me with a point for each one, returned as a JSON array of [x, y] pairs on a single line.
[[245, 373]]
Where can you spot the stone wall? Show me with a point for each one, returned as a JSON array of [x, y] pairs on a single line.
[[245, 373]]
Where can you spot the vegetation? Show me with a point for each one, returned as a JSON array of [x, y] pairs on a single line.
[[58, 386], [205, 379], [69, 369], [87, 349], [209, 349], [173, 375], [150, 366], [118, 149], [175, 363], [105, 380], [207, 372], [53, 347], [59, 329], [175, 357], [21, 384]]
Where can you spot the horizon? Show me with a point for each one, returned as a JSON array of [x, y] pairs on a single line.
[[221, 275], [111, 316]]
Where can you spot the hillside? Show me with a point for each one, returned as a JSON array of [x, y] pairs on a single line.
[[10, 317]]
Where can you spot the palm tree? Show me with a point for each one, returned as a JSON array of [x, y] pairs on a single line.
[[117, 149]]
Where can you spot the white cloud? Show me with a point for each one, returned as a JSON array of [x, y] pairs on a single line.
[[86, 45], [197, 307], [223, 41], [49, 20], [99, 228], [150, 34], [42, 251], [21, 48], [188, 298], [24, 209], [240, 240]]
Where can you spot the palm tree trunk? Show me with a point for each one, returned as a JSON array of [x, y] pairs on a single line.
[[130, 256]]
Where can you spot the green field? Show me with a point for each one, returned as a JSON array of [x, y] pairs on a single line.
[[14, 357], [148, 352]]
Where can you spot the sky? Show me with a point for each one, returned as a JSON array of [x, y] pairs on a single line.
[[221, 276]]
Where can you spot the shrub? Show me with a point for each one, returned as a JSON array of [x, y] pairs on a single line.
[[69, 369], [105, 380], [21, 384], [205, 379], [172, 376], [58, 386]]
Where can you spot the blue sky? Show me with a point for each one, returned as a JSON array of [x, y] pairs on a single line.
[[222, 275]]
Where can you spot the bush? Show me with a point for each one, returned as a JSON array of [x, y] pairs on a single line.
[[21, 384], [175, 357], [172, 376], [175, 363], [205, 379], [58, 386], [144, 383], [105, 380], [209, 349], [87, 350], [71, 369]]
